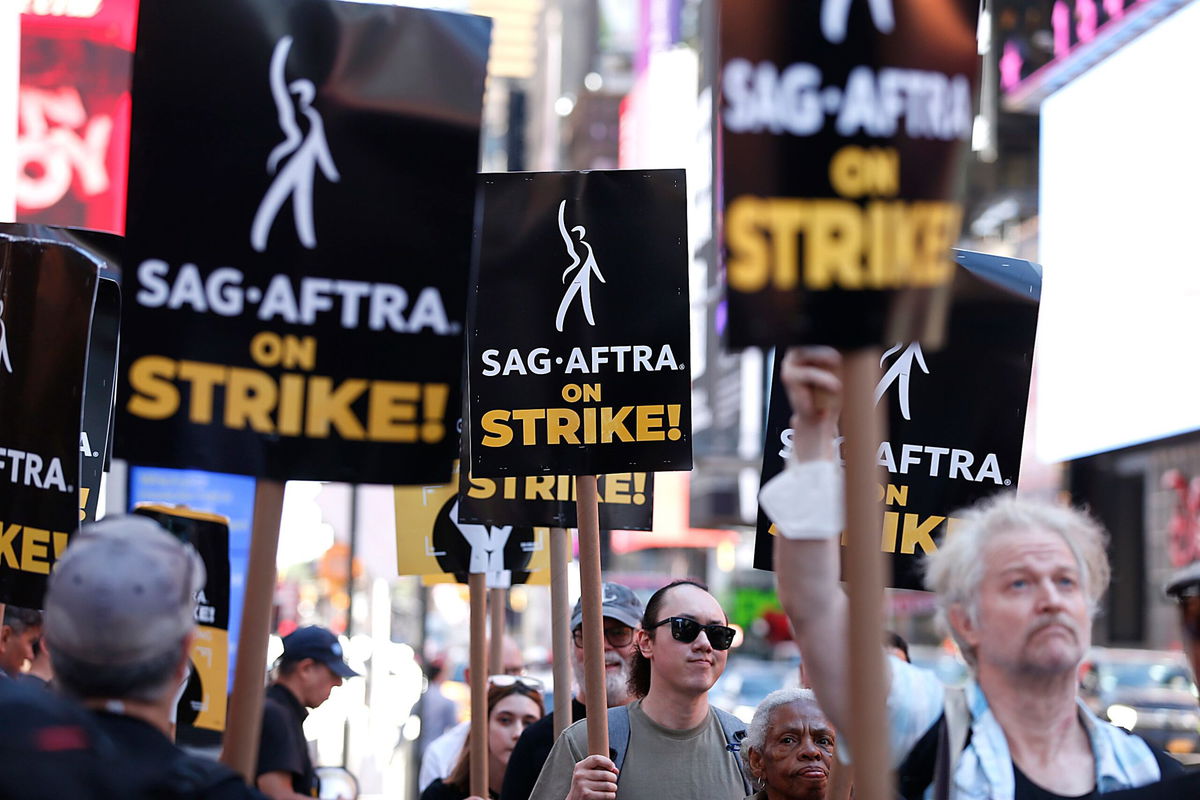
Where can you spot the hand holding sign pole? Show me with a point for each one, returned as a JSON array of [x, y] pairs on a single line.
[[838, 222], [591, 379]]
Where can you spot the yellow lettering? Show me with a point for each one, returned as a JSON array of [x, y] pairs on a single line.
[[496, 434], [616, 488], [155, 396], [528, 418], [326, 407], [561, 426], [8, 555], [481, 488], [392, 411], [539, 487], [748, 268], [250, 397], [649, 424], [34, 551], [917, 531], [614, 424]]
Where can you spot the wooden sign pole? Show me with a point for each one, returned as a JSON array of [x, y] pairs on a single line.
[[244, 726], [593, 618], [864, 428], [560, 627], [477, 583], [498, 601]]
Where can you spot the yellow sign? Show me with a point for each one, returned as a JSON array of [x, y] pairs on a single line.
[[430, 542]]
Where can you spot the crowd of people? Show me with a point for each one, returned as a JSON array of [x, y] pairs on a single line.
[[89, 685]]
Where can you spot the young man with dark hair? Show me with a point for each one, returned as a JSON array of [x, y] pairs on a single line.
[[309, 669], [670, 744]]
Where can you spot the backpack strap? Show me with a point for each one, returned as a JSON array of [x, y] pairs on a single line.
[[618, 734], [734, 730]]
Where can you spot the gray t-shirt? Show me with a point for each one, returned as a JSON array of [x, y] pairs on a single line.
[[660, 763]]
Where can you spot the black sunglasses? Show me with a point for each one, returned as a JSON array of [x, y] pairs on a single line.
[[686, 630]]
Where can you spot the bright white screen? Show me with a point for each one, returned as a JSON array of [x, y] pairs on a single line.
[[1119, 328]]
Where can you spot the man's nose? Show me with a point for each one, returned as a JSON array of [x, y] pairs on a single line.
[[702, 641], [1049, 597]]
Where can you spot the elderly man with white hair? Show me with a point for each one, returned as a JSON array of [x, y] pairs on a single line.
[[1018, 584], [790, 747]]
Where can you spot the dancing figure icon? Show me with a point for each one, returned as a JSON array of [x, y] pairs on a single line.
[[4, 360], [303, 154], [581, 283]]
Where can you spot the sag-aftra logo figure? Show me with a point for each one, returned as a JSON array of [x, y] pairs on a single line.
[[836, 13], [303, 154], [581, 283]]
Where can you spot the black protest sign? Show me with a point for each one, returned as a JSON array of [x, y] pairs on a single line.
[[301, 200], [956, 417], [47, 290], [579, 342], [200, 716], [841, 126], [98, 395], [625, 502], [99, 384]]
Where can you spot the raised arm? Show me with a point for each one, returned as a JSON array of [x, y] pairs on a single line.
[[806, 501]]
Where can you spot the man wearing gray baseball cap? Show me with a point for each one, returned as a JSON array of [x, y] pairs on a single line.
[[622, 612], [120, 620]]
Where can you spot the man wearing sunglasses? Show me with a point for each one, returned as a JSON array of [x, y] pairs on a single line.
[[669, 744], [622, 614]]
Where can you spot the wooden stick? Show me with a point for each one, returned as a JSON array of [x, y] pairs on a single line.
[[244, 727], [477, 582], [498, 601], [593, 616], [864, 428], [560, 627]]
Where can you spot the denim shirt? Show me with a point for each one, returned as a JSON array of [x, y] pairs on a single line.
[[985, 770]]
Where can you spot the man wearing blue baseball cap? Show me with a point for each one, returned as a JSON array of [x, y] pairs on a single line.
[[311, 665]]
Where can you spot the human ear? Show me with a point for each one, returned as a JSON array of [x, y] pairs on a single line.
[[961, 621]]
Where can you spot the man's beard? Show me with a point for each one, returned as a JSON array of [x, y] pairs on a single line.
[[616, 687]]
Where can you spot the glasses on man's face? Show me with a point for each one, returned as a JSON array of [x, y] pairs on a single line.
[[615, 635], [686, 630], [1189, 613], [516, 680]]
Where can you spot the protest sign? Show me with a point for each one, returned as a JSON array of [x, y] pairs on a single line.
[[230, 497], [626, 501], [956, 416], [201, 712], [841, 127], [95, 437], [578, 351], [47, 290], [430, 540], [301, 201]]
